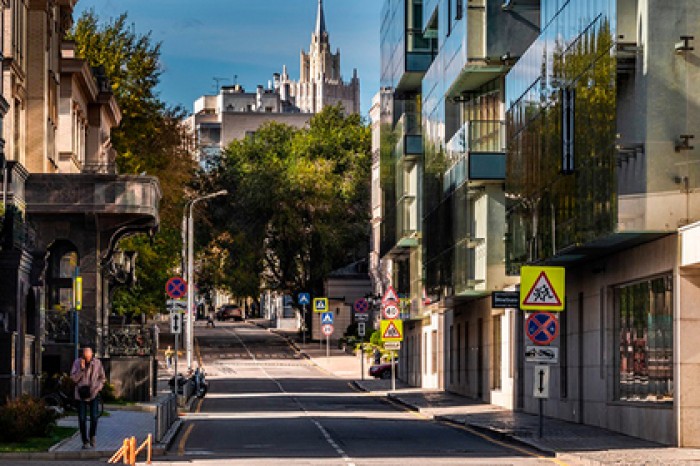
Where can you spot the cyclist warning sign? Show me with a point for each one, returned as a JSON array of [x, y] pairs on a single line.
[[542, 288], [391, 330]]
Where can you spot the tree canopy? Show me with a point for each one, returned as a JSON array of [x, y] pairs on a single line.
[[299, 205], [149, 139]]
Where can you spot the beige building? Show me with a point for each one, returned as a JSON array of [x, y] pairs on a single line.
[[64, 207], [235, 113]]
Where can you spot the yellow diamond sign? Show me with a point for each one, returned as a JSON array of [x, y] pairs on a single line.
[[542, 288]]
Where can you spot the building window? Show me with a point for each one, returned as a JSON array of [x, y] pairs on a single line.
[[496, 352], [645, 339]]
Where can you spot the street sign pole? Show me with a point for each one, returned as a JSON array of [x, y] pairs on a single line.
[[362, 360], [541, 426], [177, 350], [303, 325], [328, 348], [393, 373], [320, 328]]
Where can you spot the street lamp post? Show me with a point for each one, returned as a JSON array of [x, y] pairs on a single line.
[[188, 268]]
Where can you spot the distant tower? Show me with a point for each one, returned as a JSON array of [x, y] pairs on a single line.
[[320, 82]]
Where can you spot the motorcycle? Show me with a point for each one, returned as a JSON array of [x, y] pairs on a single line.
[[201, 387]]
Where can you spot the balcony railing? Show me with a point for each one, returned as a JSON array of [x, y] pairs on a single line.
[[93, 193]]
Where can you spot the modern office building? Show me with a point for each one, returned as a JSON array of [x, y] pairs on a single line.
[[602, 178], [443, 170]]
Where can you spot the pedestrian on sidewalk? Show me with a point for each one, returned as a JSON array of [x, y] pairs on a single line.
[[89, 377], [169, 354]]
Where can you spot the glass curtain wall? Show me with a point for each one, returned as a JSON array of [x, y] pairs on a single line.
[[550, 208]]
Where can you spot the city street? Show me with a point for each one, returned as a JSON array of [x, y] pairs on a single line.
[[269, 405]]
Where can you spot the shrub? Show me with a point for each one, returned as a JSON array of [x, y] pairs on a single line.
[[25, 417], [108, 393]]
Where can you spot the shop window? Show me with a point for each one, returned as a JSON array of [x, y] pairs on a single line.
[[645, 340]]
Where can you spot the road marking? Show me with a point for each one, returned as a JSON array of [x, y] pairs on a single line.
[[326, 435], [188, 431], [183, 440]]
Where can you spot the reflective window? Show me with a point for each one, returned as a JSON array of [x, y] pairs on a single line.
[[645, 338]]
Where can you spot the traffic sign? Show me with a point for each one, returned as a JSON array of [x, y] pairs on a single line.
[[176, 305], [391, 330], [542, 328], [542, 288], [175, 322], [391, 312], [542, 354], [327, 318], [304, 299], [390, 296], [78, 293], [361, 306], [320, 304], [176, 287], [541, 385], [327, 330], [392, 345], [361, 317], [361, 329]]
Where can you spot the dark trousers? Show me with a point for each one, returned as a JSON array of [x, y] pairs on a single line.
[[83, 407]]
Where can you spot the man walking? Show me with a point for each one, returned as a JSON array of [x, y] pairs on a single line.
[[89, 377]]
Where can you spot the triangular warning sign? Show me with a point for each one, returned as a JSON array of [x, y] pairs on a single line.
[[542, 293], [390, 296], [391, 332]]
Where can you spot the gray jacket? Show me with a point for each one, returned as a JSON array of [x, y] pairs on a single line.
[[93, 376]]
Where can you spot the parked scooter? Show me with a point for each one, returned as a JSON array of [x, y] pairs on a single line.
[[201, 387]]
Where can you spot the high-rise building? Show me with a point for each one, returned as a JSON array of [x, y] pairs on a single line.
[[234, 113]]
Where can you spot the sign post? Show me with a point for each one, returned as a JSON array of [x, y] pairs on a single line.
[[541, 392], [176, 307], [543, 293], [176, 288], [392, 332], [320, 306], [327, 330], [304, 299], [77, 306]]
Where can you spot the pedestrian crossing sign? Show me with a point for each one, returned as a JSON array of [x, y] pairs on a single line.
[[391, 330], [326, 318], [320, 304], [542, 288]]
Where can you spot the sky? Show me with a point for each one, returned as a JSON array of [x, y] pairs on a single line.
[[250, 39]]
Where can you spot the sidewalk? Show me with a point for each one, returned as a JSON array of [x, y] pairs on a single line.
[[566, 441]]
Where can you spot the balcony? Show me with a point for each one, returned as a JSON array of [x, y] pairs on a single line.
[[127, 197], [409, 134], [477, 152]]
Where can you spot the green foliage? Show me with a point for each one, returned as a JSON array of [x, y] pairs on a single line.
[[299, 204], [25, 417], [376, 338], [149, 139]]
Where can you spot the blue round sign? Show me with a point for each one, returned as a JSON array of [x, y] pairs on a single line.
[[542, 328]]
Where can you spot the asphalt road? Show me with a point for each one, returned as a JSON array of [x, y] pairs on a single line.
[[268, 405]]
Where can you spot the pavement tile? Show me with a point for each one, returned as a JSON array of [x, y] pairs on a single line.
[[111, 431]]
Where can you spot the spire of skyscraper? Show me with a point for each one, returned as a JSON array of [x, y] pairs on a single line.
[[320, 19]]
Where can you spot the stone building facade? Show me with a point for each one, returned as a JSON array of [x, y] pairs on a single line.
[[64, 207]]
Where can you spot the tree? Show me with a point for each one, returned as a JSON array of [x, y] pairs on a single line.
[[150, 139], [299, 204]]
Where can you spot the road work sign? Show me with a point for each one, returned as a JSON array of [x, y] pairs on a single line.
[[320, 304], [327, 318], [391, 330], [542, 288]]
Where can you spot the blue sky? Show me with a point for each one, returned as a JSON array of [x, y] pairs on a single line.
[[252, 39]]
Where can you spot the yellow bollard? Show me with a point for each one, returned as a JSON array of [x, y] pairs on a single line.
[[126, 456]]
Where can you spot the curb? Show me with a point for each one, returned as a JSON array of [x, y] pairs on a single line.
[[162, 447], [500, 435]]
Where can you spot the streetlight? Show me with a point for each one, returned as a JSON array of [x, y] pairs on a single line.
[[188, 266]]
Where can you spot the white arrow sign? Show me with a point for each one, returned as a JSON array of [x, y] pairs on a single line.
[[175, 322]]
